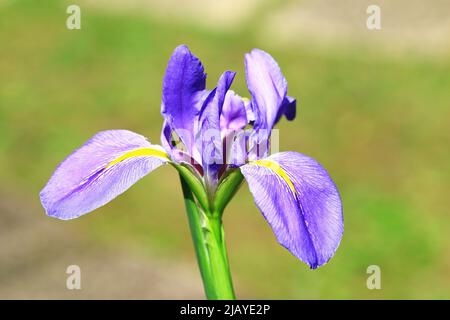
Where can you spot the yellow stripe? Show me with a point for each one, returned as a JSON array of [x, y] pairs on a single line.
[[153, 152], [277, 169]]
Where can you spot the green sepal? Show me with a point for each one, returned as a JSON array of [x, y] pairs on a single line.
[[227, 188], [195, 184]]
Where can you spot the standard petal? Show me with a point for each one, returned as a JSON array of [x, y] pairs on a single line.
[[209, 116], [233, 120], [212, 108], [301, 203], [100, 170], [233, 116], [209, 140], [183, 90], [249, 110], [267, 85]]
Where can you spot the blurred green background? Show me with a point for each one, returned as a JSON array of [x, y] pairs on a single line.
[[373, 109]]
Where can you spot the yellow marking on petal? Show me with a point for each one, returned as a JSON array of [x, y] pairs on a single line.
[[141, 152], [245, 99], [275, 167]]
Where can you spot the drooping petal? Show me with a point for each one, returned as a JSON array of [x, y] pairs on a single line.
[[267, 85], [301, 203], [183, 91], [100, 170]]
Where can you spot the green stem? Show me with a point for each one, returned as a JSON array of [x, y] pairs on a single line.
[[208, 237]]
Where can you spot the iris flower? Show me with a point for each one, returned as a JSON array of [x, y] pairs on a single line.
[[202, 139]]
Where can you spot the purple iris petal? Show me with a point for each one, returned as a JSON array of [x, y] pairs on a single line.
[[94, 174], [267, 85], [250, 111], [175, 154], [166, 136], [209, 135], [288, 109], [232, 120], [268, 88], [233, 116], [304, 210], [212, 109], [183, 86]]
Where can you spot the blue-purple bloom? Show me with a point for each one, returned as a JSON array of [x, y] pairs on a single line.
[[294, 192]]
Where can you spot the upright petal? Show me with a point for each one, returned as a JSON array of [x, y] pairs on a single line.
[[267, 85], [209, 116], [100, 170], [249, 110], [232, 122], [183, 86], [233, 116], [301, 203], [209, 134]]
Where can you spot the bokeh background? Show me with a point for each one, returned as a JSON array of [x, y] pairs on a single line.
[[373, 109]]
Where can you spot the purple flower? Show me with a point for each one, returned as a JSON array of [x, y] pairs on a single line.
[[202, 133]]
